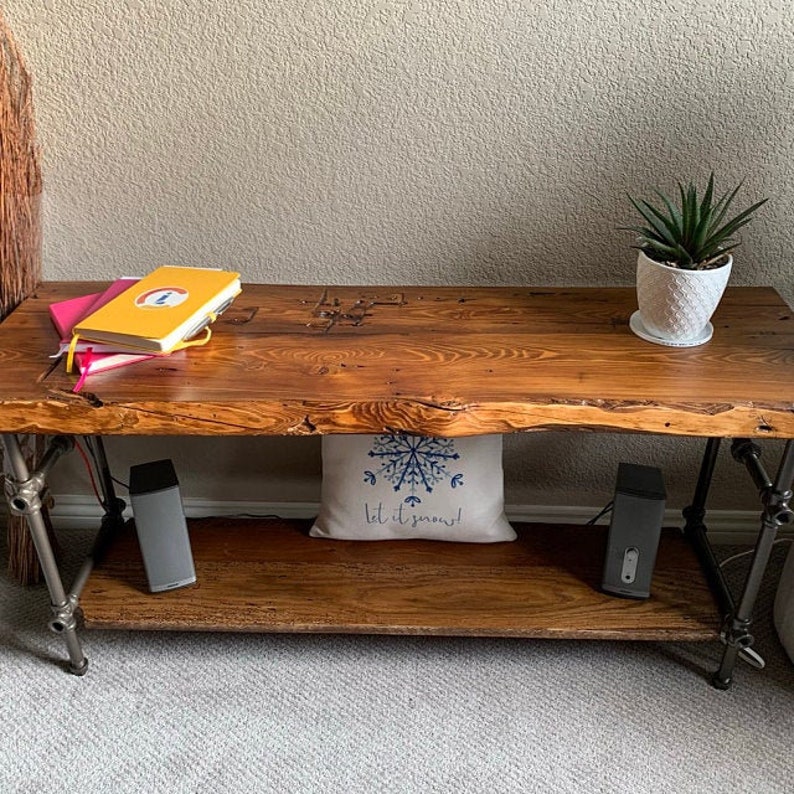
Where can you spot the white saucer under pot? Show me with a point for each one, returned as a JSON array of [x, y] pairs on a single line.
[[675, 305]]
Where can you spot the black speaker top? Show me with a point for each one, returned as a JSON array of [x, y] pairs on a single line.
[[155, 476], [637, 480]]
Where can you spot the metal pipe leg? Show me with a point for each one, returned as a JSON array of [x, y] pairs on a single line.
[[23, 494], [110, 502], [775, 497], [695, 530], [112, 521], [697, 510]]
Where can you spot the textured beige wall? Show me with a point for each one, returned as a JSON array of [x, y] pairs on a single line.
[[403, 141]]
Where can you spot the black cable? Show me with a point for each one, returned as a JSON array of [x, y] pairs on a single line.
[[603, 512]]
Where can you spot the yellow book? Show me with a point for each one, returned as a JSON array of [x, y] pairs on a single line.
[[164, 311]]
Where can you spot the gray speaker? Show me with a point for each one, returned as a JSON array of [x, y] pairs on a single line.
[[637, 514], [161, 526]]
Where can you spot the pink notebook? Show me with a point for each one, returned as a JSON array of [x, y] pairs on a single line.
[[66, 314], [88, 362], [92, 357]]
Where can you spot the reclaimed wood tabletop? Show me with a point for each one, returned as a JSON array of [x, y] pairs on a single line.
[[449, 361]]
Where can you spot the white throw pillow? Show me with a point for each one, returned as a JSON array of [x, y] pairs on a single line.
[[386, 487]]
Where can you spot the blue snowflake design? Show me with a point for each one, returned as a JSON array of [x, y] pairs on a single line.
[[413, 462]]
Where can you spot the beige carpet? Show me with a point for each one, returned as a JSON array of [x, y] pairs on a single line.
[[164, 712]]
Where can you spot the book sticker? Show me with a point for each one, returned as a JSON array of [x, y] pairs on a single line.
[[161, 297]]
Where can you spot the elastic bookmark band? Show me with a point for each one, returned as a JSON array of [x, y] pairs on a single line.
[[70, 353], [193, 342]]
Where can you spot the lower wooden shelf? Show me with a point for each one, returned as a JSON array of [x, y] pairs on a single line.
[[269, 576]]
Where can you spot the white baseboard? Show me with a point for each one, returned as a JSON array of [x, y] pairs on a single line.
[[724, 526]]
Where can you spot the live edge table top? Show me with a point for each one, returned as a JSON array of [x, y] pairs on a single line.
[[449, 361]]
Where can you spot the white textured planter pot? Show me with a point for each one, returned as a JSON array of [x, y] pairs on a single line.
[[676, 305]]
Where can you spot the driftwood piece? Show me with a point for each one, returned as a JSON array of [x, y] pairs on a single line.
[[20, 240]]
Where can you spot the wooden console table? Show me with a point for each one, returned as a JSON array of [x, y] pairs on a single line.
[[455, 361]]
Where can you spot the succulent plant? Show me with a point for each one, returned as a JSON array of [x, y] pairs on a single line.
[[694, 235]]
